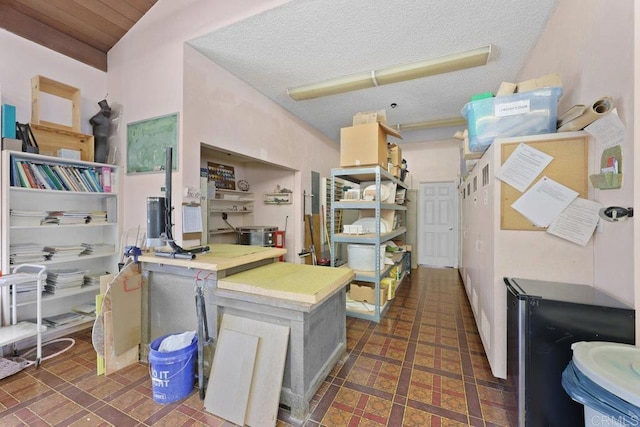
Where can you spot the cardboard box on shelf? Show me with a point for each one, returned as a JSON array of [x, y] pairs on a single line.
[[367, 117], [548, 80], [365, 145], [11, 144], [360, 291], [395, 154]]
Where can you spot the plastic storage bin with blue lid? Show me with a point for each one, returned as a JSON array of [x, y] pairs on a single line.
[[527, 113], [605, 378]]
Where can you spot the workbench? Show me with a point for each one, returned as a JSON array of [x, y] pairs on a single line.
[[247, 281]]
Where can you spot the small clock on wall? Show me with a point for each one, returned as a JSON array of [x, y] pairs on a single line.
[[243, 185]]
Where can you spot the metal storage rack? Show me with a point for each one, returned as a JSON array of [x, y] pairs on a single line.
[[376, 175], [17, 331]]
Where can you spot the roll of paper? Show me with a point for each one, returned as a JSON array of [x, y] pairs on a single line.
[[592, 113]]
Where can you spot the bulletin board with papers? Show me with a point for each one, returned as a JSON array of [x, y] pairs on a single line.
[[569, 167]]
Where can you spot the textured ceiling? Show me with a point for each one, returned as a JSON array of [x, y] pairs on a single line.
[[306, 41]]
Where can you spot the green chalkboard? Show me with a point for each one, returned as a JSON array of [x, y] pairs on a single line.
[[147, 142]]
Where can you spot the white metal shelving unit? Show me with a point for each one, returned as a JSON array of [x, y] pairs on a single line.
[[38, 199], [18, 331], [375, 175]]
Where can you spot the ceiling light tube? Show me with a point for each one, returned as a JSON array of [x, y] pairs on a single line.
[[399, 73], [429, 124]]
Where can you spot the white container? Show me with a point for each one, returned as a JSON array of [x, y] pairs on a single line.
[[69, 154], [616, 368], [361, 257]]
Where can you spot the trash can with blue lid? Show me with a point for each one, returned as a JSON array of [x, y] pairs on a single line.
[[605, 378]]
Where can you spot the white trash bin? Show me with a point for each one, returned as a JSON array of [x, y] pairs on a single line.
[[605, 378]]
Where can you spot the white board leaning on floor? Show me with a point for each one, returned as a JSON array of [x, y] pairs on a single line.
[[265, 375]]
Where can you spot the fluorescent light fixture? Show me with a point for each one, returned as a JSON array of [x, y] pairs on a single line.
[[399, 73], [429, 124]]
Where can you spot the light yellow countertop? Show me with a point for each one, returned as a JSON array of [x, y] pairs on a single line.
[[295, 282], [220, 257]]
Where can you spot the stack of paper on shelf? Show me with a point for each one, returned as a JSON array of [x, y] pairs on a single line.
[[98, 216], [21, 253], [63, 319], [63, 252], [18, 217], [93, 278], [28, 285], [88, 309], [64, 280], [98, 248], [66, 217]]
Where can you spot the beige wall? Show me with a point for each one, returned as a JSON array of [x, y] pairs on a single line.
[[591, 43]]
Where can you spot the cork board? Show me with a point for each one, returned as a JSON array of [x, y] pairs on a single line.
[[569, 167]]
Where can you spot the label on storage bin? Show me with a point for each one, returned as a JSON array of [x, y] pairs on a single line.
[[512, 108]]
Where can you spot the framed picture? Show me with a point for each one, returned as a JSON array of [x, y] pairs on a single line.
[[147, 142]]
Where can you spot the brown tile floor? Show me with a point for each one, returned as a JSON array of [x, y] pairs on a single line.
[[422, 365]]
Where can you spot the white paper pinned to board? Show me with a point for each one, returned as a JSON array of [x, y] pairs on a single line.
[[523, 166], [543, 202]]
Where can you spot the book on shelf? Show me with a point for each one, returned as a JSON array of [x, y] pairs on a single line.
[[43, 181], [28, 177], [96, 180], [106, 179], [63, 319], [58, 176], [52, 176]]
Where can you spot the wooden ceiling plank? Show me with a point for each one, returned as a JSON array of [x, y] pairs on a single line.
[[27, 27], [124, 8], [63, 17], [108, 13], [142, 6]]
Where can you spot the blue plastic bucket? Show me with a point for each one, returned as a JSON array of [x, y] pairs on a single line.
[[172, 372]]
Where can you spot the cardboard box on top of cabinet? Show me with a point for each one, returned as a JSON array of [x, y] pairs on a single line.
[[365, 145]]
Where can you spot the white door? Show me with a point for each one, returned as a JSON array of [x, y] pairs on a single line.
[[438, 225]]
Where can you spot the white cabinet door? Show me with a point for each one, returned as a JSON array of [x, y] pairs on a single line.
[[438, 224]]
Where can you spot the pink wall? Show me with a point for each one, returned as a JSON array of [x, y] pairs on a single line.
[[432, 161], [591, 44], [22, 60], [152, 72]]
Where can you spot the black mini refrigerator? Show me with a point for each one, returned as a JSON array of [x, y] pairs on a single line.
[[543, 320]]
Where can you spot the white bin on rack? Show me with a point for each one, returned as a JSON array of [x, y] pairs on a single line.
[[362, 258]]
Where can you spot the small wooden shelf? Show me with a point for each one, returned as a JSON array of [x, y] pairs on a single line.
[[51, 139]]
